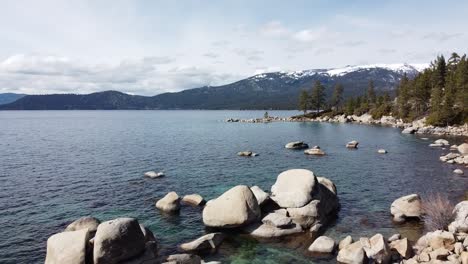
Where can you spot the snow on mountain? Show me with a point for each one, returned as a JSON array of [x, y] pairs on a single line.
[[398, 67]]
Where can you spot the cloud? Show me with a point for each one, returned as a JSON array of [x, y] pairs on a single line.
[[353, 43], [211, 55], [36, 74], [441, 36], [310, 35], [326, 50], [274, 29], [220, 43]]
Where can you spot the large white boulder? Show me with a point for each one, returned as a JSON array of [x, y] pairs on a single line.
[[460, 218], [67, 247], [323, 245], [376, 248], [234, 208], [293, 188], [352, 254], [406, 207], [193, 199], [118, 240], [463, 148], [169, 203], [86, 222]]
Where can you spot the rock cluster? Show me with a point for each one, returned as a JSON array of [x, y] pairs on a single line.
[[122, 240], [299, 201]]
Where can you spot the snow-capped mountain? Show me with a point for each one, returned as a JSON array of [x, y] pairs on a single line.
[[274, 90]]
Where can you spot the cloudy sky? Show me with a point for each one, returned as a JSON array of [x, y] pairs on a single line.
[[150, 47]]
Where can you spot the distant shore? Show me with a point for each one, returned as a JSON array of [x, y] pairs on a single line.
[[416, 127]]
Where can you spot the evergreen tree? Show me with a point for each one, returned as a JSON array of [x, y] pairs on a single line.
[[371, 92], [317, 97], [304, 101], [337, 96]]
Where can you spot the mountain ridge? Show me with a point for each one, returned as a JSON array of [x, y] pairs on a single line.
[[272, 90]]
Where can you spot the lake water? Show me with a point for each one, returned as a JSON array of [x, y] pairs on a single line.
[[57, 166]]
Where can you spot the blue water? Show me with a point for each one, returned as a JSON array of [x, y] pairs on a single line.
[[56, 166]]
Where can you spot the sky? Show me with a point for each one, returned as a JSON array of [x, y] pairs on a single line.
[[152, 47]]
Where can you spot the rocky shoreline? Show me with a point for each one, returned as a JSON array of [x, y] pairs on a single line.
[[415, 127]]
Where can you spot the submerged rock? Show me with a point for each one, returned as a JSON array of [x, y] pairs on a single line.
[[296, 145], [153, 174], [352, 144], [209, 241], [183, 259], [67, 247], [169, 203], [323, 244], [458, 171], [118, 240], [406, 207], [235, 208]]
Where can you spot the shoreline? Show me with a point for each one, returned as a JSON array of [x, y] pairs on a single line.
[[415, 127]]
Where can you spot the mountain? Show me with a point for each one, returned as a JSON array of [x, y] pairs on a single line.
[[275, 90], [6, 98]]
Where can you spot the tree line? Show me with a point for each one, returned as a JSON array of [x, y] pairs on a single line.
[[439, 93]]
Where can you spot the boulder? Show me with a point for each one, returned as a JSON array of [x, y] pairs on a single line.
[[270, 231], [314, 151], [296, 145], [67, 247], [277, 220], [458, 171], [184, 259], [307, 215], [170, 203], [345, 242], [464, 257], [86, 222], [153, 174], [403, 247], [261, 195], [442, 142], [147, 234], [235, 208], [206, 242], [454, 147], [394, 237], [376, 248], [435, 240], [382, 151], [460, 216], [193, 199], [463, 149], [328, 184], [458, 248], [439, 254], [352, 254], [409, 130], [323, 245], [118, 240], [352, 144], [247, 154], [293, 188], [406, 207]]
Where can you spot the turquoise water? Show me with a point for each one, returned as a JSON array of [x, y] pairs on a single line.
[[57, 166]]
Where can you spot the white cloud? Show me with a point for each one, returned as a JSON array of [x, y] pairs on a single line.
[[35, 74], [310, 35], [274, 29]]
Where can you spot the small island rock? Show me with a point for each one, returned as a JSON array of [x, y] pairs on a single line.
[[352, 144], [153, 174], [193, 199], [296, 145], [169, 203]]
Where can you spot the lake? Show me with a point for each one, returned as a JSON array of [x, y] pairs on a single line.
[[57, 166]]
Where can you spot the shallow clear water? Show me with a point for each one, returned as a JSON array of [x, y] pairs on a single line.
[[56, 166]]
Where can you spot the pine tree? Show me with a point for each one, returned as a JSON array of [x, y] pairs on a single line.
[[304, 101], [317, 97], [371, 92], [337, 96]]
